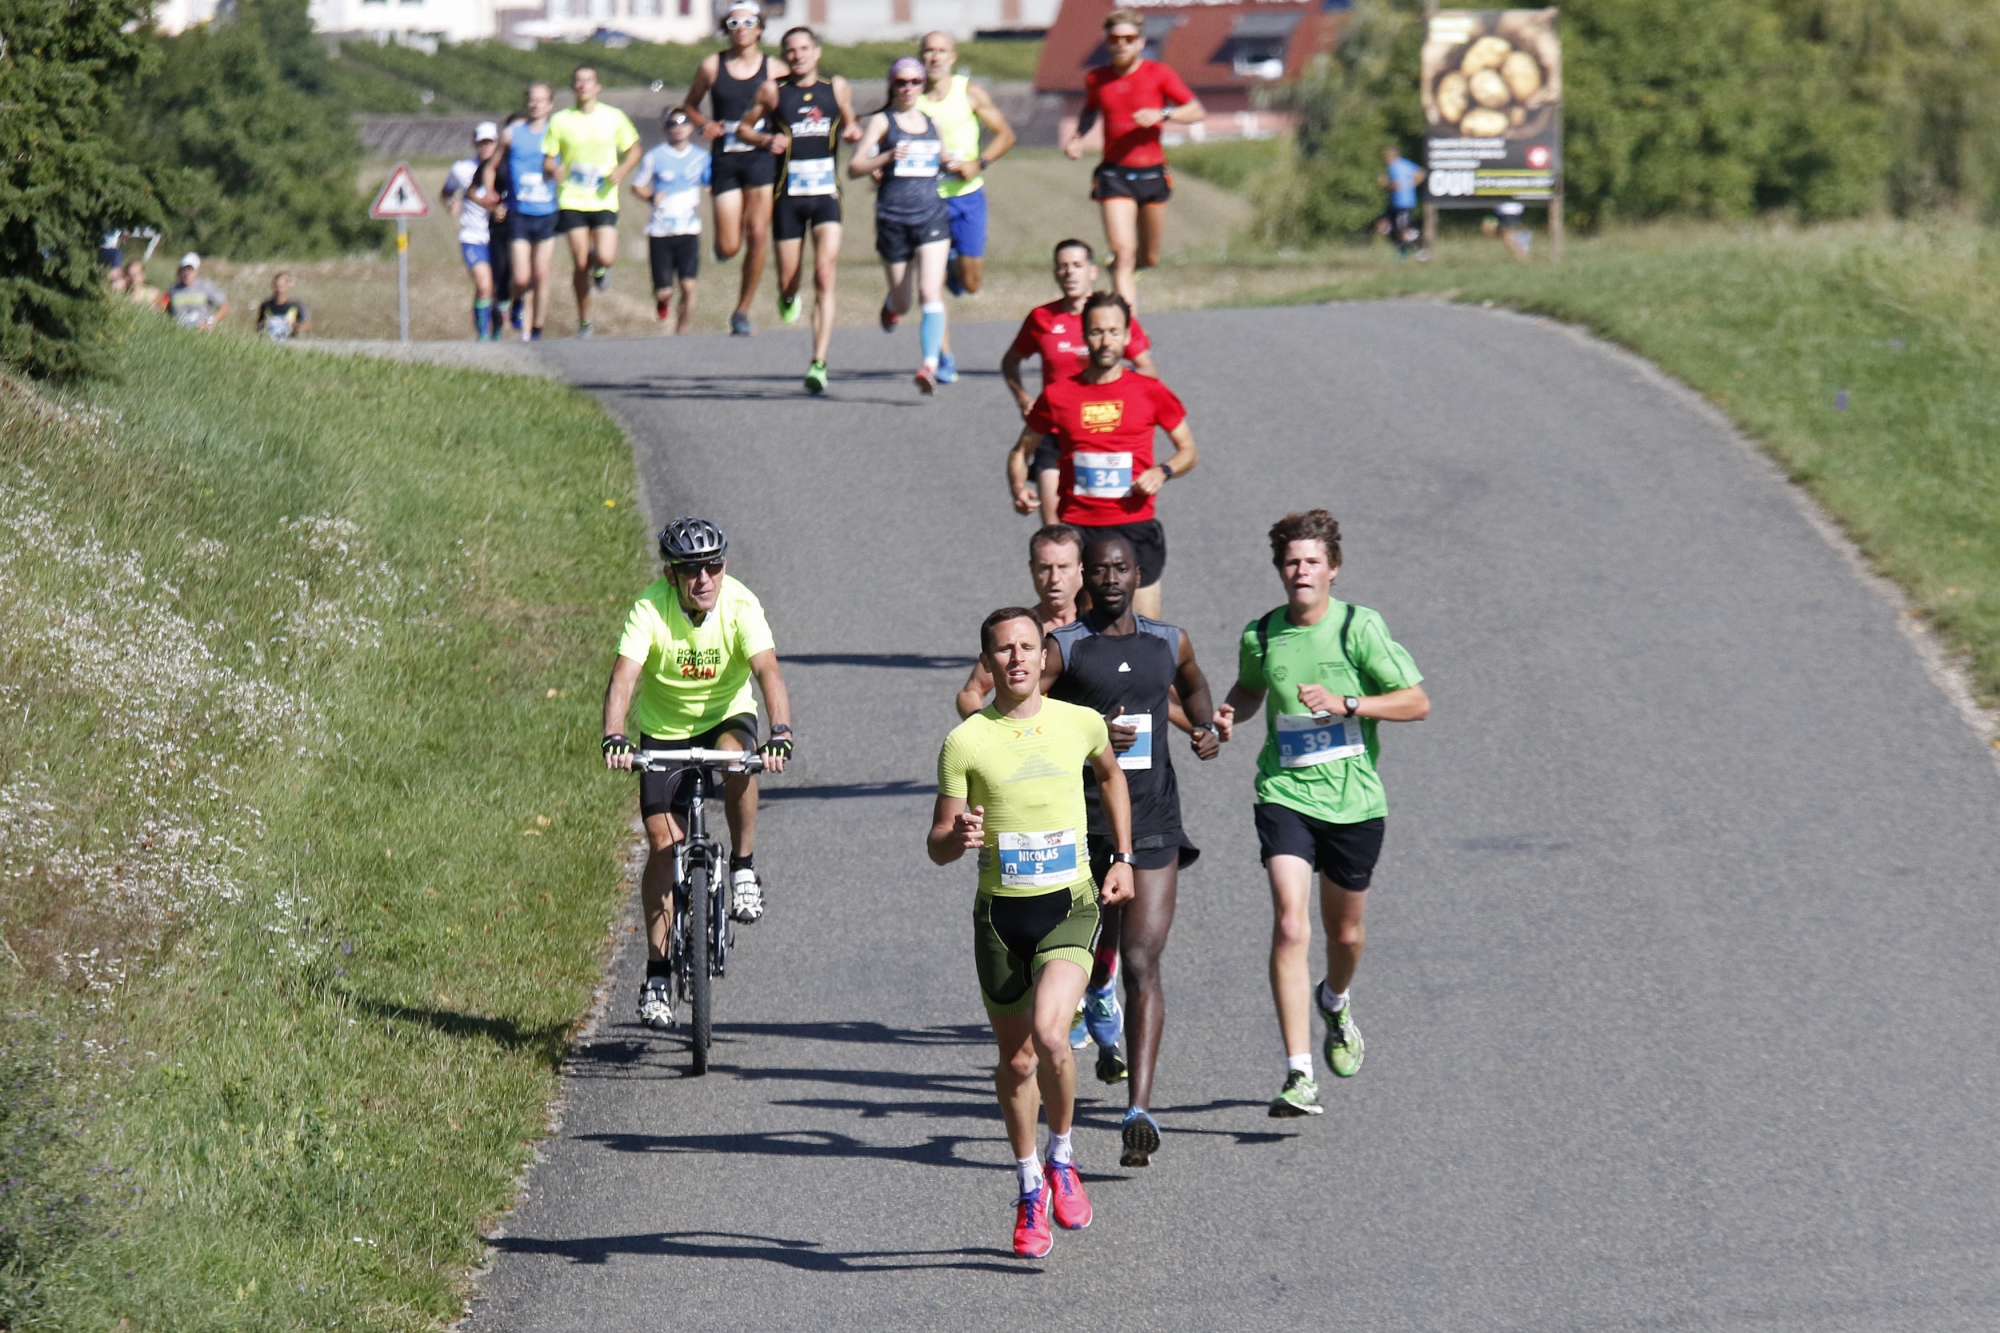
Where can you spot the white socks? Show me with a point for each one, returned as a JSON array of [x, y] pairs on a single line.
[[1302, 1063], [1330, 1002], [1060, 1153], [1029, 1169]]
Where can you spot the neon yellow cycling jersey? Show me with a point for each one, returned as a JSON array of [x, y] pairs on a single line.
[[1028, 774], [694, 676], [589, 146]]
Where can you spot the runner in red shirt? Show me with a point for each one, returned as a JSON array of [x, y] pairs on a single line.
[[1135, 96], [1103, 421], [1054, 332]]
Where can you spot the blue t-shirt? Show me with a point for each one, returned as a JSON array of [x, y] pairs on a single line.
[[675, 178], [1403, 183], [534, 193]]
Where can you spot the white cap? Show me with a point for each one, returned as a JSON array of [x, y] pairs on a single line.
[[190, 260], [750, 7], [485, 131]]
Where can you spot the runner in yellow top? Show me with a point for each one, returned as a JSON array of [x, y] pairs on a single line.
[[591, 148], [959, 108], [1010, 786], [691, 645]]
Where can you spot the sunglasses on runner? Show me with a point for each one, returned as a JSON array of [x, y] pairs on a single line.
[[738, 25], [909, 83], [1125, 38]]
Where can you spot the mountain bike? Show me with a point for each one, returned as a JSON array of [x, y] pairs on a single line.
[[698, 947]]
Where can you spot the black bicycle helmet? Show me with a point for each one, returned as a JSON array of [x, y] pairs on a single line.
[[692, 541]]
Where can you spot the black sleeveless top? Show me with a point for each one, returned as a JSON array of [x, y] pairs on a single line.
[[909, 187], [729, 97], [1134, 671], [811, 117]]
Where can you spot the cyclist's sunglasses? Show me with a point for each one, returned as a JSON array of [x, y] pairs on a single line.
[[702, 567], [738, 25]]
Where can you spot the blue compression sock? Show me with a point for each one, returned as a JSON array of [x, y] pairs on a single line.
[[931, 332], [482, 319]]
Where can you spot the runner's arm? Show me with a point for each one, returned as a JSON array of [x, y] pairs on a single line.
[[1184, 113], [1409, 704], [996, 125], [972, 694], [866, 162], [489, 169], [843, 97], [1117, 802], [1192, 687], [704, 79], [1018, 458], [618, 694], [1085, 123], [626, 164], [1182, 462], [762, 105], [643, 187], [954, 829], [1010, 371], [1240, 706], [1143, 363]]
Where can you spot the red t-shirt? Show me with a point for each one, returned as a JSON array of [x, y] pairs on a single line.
[[1055, 335], [1126, 143], [1106, 435]]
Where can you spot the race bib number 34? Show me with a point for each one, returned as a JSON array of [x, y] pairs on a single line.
[[1305, 739], [1038, 860], [1108, 476]]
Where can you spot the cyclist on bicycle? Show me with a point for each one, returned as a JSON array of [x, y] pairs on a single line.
[[691, 644]]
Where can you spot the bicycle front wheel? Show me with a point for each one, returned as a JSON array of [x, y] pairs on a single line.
[[701, 981]]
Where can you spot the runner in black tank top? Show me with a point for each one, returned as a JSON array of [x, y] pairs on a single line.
[[1112, 659], [741, 174]]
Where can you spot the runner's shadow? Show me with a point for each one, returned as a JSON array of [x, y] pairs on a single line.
[[904, 661], [845, 791], [804, 1255], [867, 1033], [749, 388], [814, 1144]]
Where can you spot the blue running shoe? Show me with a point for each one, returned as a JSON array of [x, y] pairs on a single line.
[[951, 282], [947, 368], [1142, 1138], [1079, 1035], [1103, 1017]]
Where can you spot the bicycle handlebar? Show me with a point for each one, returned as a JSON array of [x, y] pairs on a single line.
[[734, 761]]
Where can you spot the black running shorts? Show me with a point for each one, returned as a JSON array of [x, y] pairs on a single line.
[[1344, 853], [532, 227], [742, 171], [570, 219], [897, 241], [1148, 185], [792, 216], [1148, 539], [665, 791], [1048, 457], [673, 257], [1013, 939], [1149, 853]]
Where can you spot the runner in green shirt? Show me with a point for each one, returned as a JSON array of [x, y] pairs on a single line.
[[1332, 673], [591, 148]]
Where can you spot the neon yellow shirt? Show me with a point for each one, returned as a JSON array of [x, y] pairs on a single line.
[[589, 146], [695, 676], [1028, 774], [958, 127]]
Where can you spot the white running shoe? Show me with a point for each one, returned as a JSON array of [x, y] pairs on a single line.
[[656, 1006], [746, 893]]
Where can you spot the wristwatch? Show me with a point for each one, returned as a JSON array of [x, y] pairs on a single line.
[[1353, 705], [1166, 468], [1124, 859]]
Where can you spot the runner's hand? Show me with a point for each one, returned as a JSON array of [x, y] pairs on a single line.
[[1117, 885], [1074, 148], [970, 826], [1224, 721], [1123, 733], [712, 130], [851, 133], [1321, 700], [1206, 742], [781, 143], [1150, 481], [1148, 116], [617, 752], [1025, 501]]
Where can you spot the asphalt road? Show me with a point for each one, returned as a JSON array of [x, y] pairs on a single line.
[[1680, 987]]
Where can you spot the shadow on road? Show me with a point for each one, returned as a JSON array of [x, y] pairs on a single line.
[[750, 388], [903, 661], [845, 791], [806, 1255], [868, 1034], [937, 1150]]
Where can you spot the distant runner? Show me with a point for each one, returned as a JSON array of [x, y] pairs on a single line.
[[1103, 421], [506, 306], [670, 177], [744, 174], [193, 302], [1010, 787], [911, 219], [1054, 332], [1401, 177], [804, 119], [591, 149], [959, 108], [531, 210], [1127, 668], [278, 315], [1332, 674], [1055, 563], [1132, 184], [471, 199]]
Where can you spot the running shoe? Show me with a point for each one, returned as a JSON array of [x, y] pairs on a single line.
[[1032, 1237], [926, 380], [952, 283], [1343, 1047], [656, 1005], [739, 324], [514, 315], [1299, 1096], [1079, 1034], [1069, 1203], [947, 368], [663, 307], [890, 319], [1142, 1138], [788, 311], [585, 329], [1102, 1015], [534, 335], [816, 377], [600, 277], [746, 892], [1111, 1065]]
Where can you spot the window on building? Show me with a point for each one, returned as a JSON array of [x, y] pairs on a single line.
[[686, 8], [1256, 45]]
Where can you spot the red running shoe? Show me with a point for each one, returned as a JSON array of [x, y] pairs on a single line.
[[890, 319], [927, 381], [1032, 1237], [1070, 1204], [661, 307]]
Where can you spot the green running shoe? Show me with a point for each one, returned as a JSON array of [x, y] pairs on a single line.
[[816, 377], [1299, 1096], [1111, 1065], [788, 311], [1343, 1047]]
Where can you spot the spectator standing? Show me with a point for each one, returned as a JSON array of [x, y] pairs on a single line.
[[193, 302], [279, 316]]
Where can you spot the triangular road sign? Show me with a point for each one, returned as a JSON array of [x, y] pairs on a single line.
[[400, 197]]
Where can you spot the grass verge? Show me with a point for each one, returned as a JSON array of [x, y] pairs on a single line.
[[1865, 359], [304, 873]]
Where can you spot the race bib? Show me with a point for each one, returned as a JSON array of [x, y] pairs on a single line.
[[920, 157], [1141, 753], [190, 315], [678, 206], [814, 176], [532, 187], [1305, 739], [278, 327], [1106, 476], [590, 178], [1038, 860], [730, 143]]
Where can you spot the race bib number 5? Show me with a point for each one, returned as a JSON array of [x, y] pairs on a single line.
[[1108, 476], [1141, 753], [1305, 739], [1038, 860]]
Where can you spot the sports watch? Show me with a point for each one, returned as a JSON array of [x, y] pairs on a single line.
[[1353, 705], [1124, 859]]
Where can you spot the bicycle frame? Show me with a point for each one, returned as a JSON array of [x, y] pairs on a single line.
[[700, 767]]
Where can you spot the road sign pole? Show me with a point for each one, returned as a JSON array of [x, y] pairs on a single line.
[[402, 200], [403, 278]]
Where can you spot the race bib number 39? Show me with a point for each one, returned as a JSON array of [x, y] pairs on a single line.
[[814, 176], [1108, 476], [921, 157], [1038, 860], [1141, 753], [1305, 739]]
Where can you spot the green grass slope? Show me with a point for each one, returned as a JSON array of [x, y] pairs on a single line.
[[305, 868]]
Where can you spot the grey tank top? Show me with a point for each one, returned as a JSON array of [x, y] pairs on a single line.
[[909, 191]]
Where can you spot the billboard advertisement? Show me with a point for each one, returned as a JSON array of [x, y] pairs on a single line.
[[1492, 89]]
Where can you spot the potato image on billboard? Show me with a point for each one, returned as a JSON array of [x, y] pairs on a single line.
[[1452, 103], [1489, 89], [1486, 53], [1522, 74], [1485, 123]]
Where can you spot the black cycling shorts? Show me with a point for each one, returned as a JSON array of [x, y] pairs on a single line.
[[792, 216], [1148, 185], [571, 219], [1048, 456], [664, 791], [673, 257], [749, 170], [1344, 853], [897, 241], [1149, 542]]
